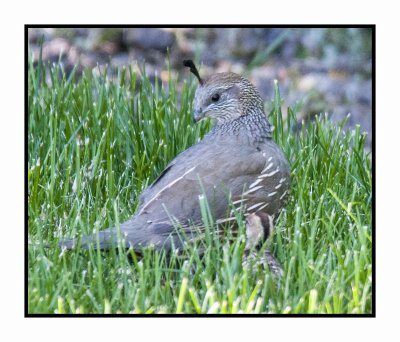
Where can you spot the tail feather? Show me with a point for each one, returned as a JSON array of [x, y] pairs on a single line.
[[105, 239], [137, 234]]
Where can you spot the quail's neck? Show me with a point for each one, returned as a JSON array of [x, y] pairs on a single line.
[[254, 125]]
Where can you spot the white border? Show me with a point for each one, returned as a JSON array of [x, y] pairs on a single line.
[[12, 170]]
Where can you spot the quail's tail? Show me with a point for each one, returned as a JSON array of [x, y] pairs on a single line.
[[135, 233], [105, 239]]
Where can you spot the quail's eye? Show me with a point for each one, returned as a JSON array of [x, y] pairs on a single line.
[[215, 98]]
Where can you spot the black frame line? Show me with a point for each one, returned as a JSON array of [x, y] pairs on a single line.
[[373, 151]]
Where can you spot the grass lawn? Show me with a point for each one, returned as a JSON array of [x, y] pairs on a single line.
[[95, 143]]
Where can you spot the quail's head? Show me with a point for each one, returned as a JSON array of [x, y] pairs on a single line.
[[224, 96], [259, 227]]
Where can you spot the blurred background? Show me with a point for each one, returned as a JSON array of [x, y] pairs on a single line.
[[320, 70]]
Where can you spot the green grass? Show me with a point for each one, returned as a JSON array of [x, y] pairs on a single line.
[[95, 143]]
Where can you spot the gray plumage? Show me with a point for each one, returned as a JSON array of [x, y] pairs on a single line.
[[236, 159]]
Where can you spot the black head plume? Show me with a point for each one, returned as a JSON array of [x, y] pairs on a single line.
[[189, 63]]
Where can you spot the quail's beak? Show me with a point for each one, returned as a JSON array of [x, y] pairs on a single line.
[[198, 114]]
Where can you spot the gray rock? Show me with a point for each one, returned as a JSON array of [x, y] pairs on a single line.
[[249, 40], [359, 91], [53, 50], [120, 60], [149, 38]]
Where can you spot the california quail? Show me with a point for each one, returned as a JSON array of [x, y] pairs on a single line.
[[236, 160], [259, 225]]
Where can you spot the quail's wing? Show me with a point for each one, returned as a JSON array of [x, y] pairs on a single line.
[[215, 171]]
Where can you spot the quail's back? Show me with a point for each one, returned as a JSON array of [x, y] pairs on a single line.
[[237, 161]]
